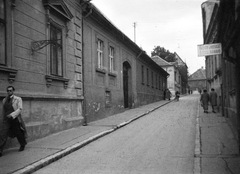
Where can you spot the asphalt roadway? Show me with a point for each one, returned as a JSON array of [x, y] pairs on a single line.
[[216, 148]]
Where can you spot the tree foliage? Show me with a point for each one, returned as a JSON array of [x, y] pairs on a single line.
[[163, 53], [183, 72], [171, 57]]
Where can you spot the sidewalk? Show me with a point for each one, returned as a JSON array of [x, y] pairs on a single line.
[[42, 152], [216, 149]]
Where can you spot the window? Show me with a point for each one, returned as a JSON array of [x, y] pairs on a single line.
[[108, 98], [175, 76], [100, 53], [111, 59], [2, 33], [156, 81], [147, 77], [142, 74], [56, 52], [160, 83], [58, 17], [6, 38], [152, 81]]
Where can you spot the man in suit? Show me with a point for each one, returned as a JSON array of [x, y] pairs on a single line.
[[13, 125]]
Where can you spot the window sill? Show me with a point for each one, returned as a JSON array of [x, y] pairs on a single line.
[[50, 78], [99, 70], [113, 74], [11, 73]]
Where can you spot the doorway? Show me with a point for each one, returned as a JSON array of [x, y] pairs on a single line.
[[127, 85]]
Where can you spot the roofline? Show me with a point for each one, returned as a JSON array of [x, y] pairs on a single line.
[[96, 15]]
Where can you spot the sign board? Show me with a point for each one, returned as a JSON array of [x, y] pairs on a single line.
[[209, 49]]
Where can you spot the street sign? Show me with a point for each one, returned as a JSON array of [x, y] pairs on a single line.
[[209, 49]]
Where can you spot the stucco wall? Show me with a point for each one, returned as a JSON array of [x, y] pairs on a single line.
[[149, 93], [197, 84], [98, 83], [49, 105]]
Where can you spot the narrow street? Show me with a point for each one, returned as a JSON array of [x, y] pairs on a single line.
[[160, 142]]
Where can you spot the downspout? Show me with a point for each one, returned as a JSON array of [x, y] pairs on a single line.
[[83, 68], [84, 99]]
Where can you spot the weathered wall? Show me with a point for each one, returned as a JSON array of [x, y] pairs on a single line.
[[171, 79], [154, 91], [197, 84], [48, 105], [103, 89], [96, 82]]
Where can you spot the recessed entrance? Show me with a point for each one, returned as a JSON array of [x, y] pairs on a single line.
[[127, 85]]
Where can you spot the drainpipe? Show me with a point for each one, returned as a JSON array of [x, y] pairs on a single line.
[[84, 99], [83, 67]]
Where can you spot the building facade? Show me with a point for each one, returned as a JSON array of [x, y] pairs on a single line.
[[41, 56], [224, 28], [174, 78], [197, 81], [183, 72], [71, 65], [228, 36], [117, 73], [212, 62]]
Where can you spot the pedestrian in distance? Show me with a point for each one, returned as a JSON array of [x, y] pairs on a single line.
[[205, 100], [213, 99], [168, 94], [200, 91], [164, 94], [177, 95], [13, 125]]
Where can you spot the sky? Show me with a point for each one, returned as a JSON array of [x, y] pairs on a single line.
[[175, 25]]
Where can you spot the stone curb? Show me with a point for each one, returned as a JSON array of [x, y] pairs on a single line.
[[197, 158], [60, 154]]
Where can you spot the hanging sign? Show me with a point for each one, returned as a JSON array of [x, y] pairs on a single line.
[[209, 49]]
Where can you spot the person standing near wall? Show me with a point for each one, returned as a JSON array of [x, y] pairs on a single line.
[[204, 100], [164, 94], [177, 95], [13, 125], [168, 94], [213, 99]]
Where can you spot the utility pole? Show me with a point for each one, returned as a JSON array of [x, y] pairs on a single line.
[[134, 25]]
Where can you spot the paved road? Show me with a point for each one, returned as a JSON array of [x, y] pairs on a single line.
[[161, 142]]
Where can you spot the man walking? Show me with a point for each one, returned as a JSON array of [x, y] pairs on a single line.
[[12, 120], [213, 99], [204, 100]]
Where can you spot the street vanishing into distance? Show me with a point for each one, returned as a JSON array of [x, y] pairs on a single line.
[[161, 142]]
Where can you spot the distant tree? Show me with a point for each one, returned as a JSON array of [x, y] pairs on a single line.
[[183, 70], [170, 57], [163, 53]]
